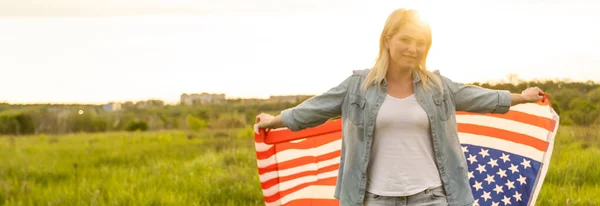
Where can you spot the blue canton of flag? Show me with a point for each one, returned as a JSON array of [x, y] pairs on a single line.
[[498, 177]]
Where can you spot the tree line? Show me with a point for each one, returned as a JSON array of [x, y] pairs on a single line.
[[577, 103]]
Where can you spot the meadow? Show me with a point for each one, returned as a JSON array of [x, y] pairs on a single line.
[[212, 167]]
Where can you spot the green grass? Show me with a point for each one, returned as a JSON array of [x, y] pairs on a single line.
[[216, 167], [574, 174], [156, 168]]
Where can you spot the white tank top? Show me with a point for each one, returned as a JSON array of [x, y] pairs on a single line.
[[402, 159]]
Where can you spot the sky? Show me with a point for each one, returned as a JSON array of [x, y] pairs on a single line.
[[94, 52]]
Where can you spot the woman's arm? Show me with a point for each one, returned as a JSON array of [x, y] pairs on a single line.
[[269, 121], [310, 113], [472, 98], [529, 95]]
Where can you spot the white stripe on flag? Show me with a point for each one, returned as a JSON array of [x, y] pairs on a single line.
[[495, 122], [291, 154], [312, 178], [310, 192], [307, 167], [500, 144], [546, 163], [533, 109], [261, 147]]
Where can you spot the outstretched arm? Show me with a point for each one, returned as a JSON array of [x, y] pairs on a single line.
[[310, 113], [472, 98], [268, 121], [529, 95]]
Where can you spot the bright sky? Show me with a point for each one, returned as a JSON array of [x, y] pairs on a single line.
[[83, 51]]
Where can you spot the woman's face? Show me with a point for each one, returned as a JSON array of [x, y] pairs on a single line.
[[407, 47]]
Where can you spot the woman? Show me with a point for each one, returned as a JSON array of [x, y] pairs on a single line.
[[399, 135]]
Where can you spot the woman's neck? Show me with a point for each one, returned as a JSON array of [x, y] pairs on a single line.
[[396, 74]]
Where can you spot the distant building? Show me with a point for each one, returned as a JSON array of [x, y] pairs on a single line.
[[204, 98], [111, 107], [289, 98], [251, 101], [149, 103]]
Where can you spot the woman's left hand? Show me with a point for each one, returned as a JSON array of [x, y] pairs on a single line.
[[532, 94]]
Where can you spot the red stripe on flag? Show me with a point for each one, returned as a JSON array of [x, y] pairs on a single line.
[[504, 135], [314, 202], [327, 181], [288, 135], [270, 183], [299, 162], [309, 143], [522, 117]]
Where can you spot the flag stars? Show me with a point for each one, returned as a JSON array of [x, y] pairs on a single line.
[[510, 184], [517, 196], [499, 189], [526, 163], [498, 176], [493, 162], [490, 179], [484, 152], [513, 168], [506, 200], [486, 196], [481, 168], [521, 180], [477, 185], [505, 157], [472, 158], [501, 173]]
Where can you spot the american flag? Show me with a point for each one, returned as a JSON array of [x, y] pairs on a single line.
[[507, 155]]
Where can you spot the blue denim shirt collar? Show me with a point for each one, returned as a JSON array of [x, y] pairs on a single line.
[[416, 78]]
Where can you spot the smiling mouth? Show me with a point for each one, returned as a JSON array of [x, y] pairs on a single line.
[[410, 58]]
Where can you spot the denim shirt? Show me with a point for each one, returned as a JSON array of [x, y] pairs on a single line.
[[358, 110]]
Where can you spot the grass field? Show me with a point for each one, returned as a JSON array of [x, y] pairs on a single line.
[[216, 167]]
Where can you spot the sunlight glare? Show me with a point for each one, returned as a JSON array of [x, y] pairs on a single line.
[[426, 14]]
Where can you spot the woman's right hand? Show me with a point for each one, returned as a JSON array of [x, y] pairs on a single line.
[[264, 120]]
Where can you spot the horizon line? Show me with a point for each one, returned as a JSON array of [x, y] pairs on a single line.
[[177, 102]]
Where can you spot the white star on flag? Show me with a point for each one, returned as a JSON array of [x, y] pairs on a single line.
[[521, 180], [490, 179], [477, 186], [502, 173], [517, 196], [505, 157], [510, 184], [506, 200], [484, 153], [472, 158], [493, 162], [526, 163], [481, 169], [514, 168], [498, 189], [486, 196]]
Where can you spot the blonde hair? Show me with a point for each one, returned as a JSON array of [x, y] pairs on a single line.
[[395, 20]]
